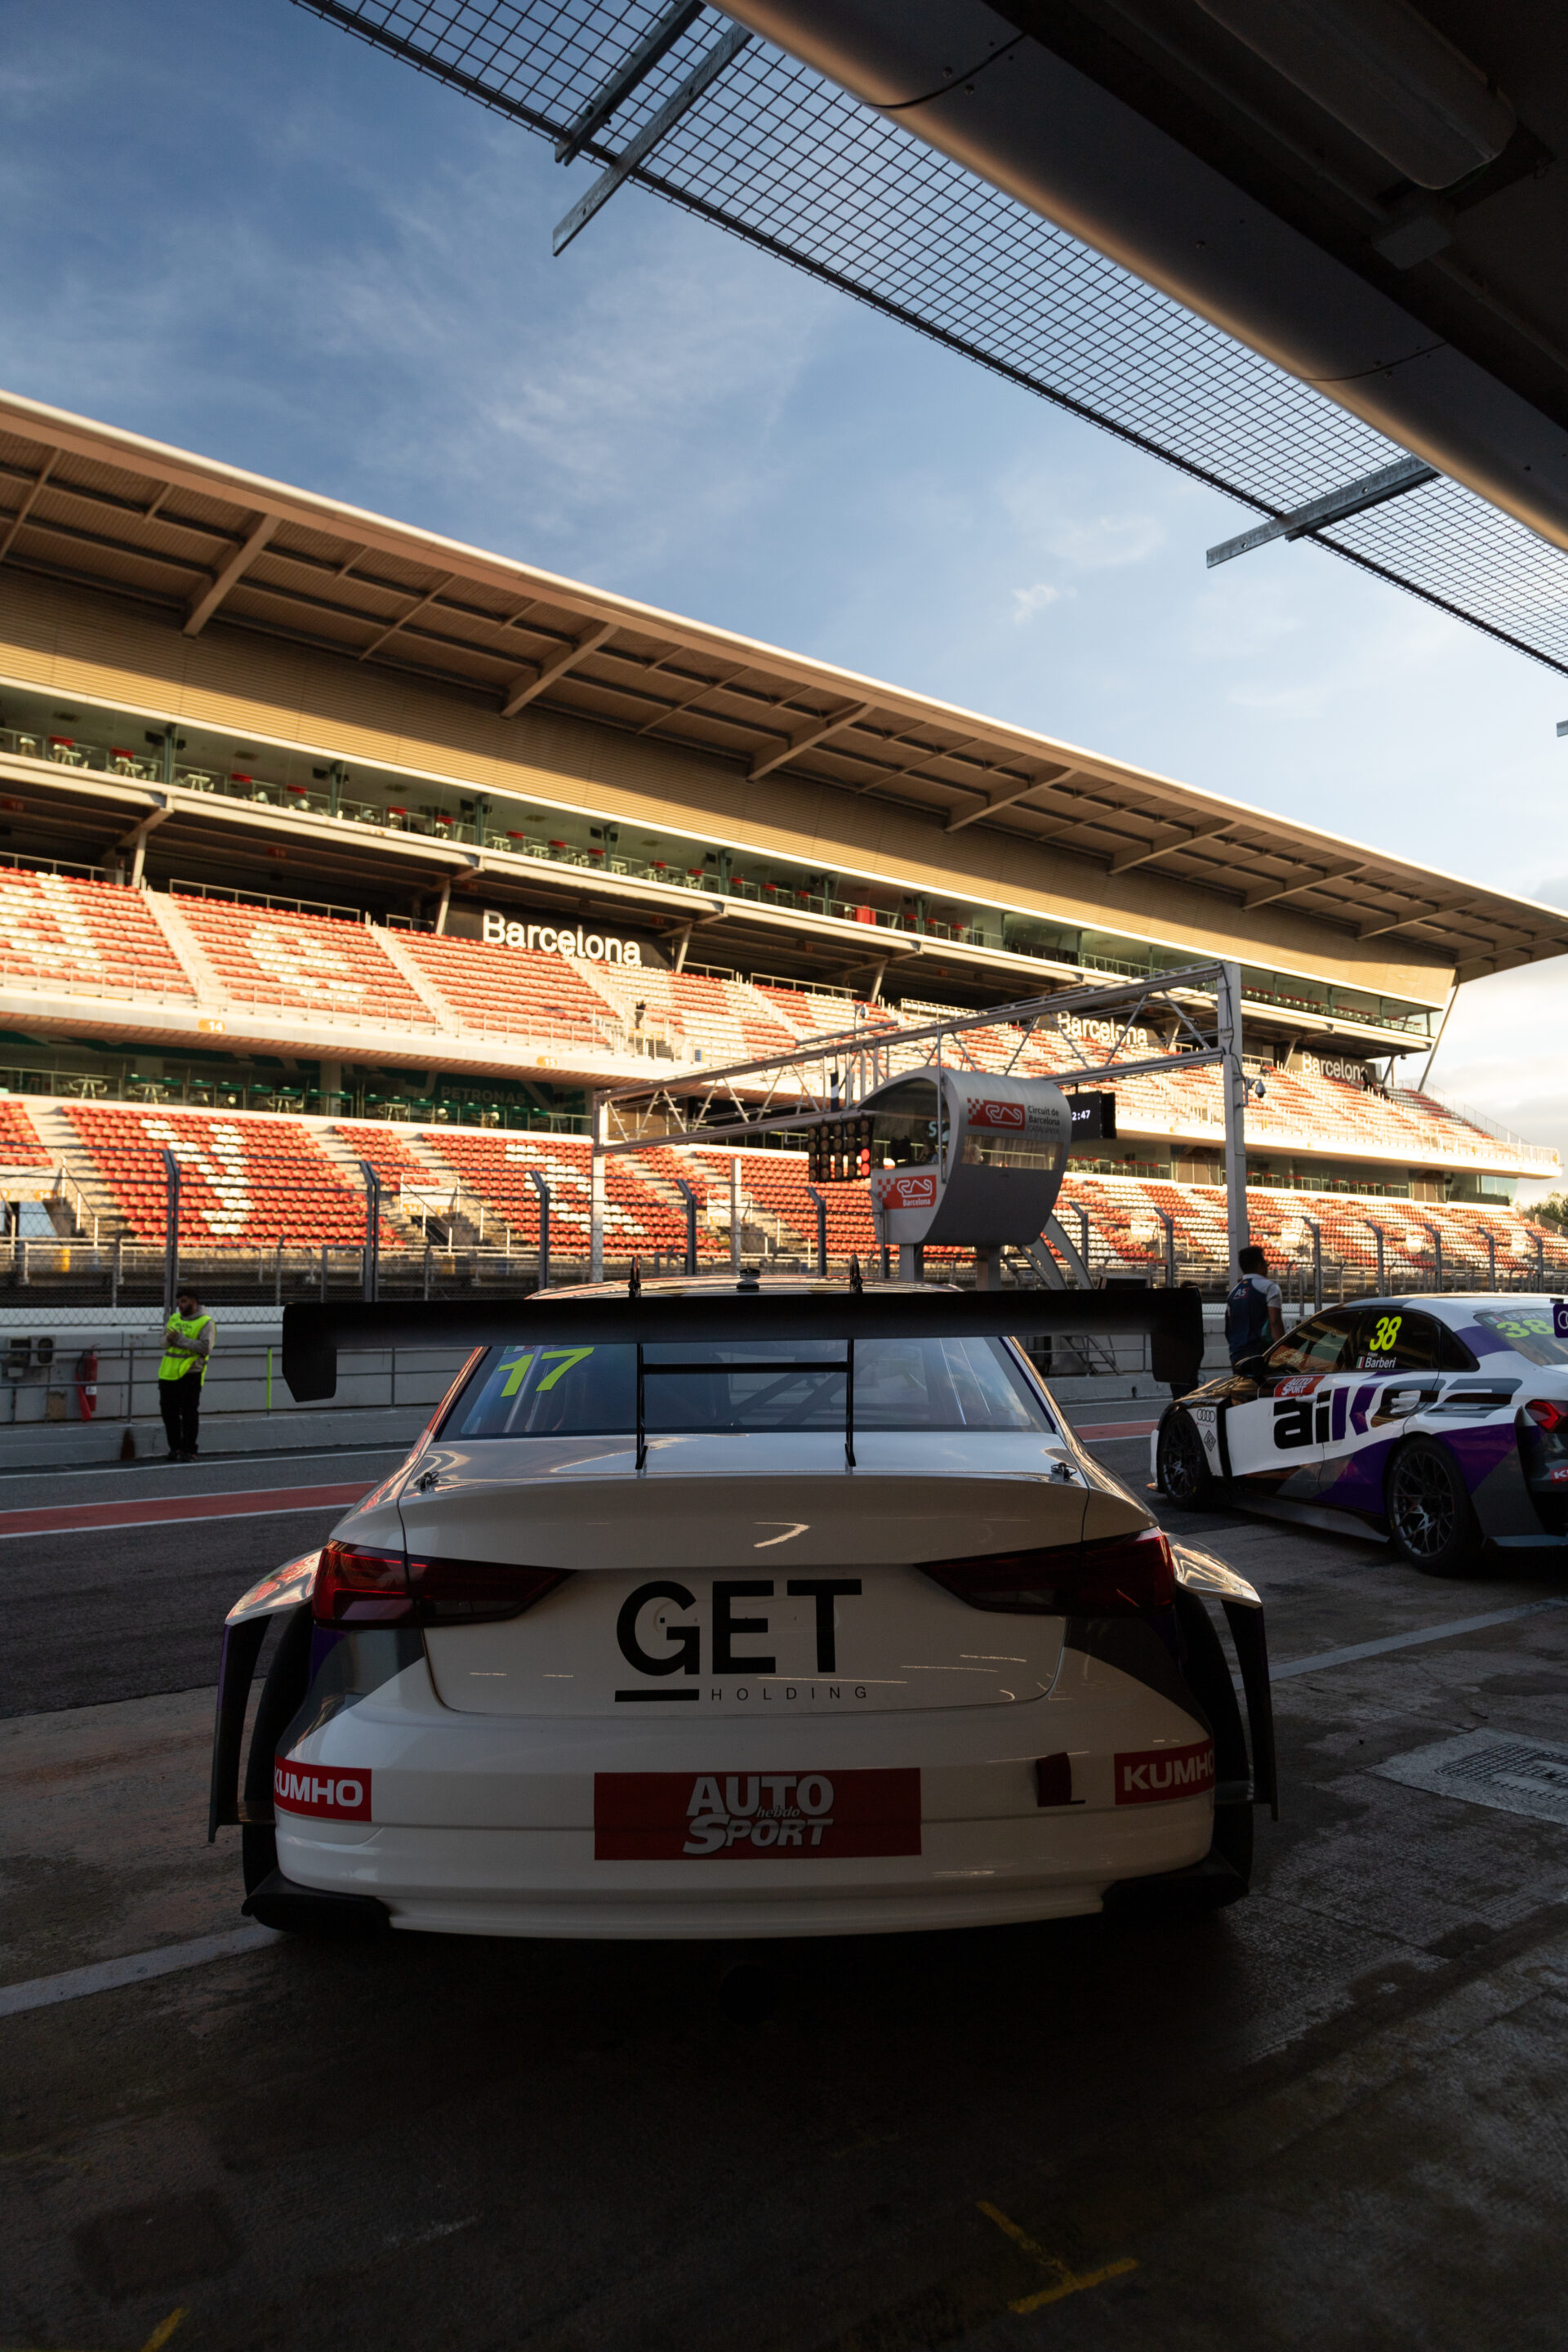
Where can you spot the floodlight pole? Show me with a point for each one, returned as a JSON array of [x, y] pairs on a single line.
[[171, 1232], [1227, 1037], [372, 1228], [1315, 1229], [689, 1194], [543, 1189], [600, 1122], [1436, 1256], [821, 1201]]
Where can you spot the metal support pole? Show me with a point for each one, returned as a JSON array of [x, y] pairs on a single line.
[[599, 1121], [1169, 1225], [1082, 1216], [1315, 1229], [1436, 1256], [372, 1228], [689, 1194], [1376, 1230], [1491, 1240], [278, 1275], [543, 1189], [911, 1262], [1228, 1025], [171, 1230], [429, 1260], [821, 1201], [735, 1211], [1540, 1262], [117, 1269]]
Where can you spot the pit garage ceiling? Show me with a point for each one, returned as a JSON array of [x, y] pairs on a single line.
[[1190, 222]]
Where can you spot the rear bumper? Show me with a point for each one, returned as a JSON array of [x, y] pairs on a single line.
[[511, 1881]]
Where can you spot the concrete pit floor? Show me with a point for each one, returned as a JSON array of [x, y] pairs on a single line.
[[1334, 2115]]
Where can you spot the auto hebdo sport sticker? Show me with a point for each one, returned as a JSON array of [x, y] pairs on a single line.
[[1152, 1775], [330, 1796], [686, 1816]]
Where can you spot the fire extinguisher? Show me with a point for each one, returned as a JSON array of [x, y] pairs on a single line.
[[87, 1383]]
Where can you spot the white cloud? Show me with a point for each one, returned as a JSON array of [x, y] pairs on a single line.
[[1027, 602]]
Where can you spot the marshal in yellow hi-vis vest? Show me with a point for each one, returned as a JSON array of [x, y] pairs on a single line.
[[183, 1351]]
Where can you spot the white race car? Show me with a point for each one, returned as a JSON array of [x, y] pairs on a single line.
[[1438, 1423], [799, 1612]]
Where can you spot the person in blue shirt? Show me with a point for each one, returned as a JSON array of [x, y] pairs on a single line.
[[1254, 1313]]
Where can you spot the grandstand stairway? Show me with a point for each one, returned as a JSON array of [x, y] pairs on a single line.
[[93, 1197], [419, 980], [164, 909]]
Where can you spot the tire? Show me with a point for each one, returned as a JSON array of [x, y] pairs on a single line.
[[282, 1696], [1181, 1466], [1431, 1519]]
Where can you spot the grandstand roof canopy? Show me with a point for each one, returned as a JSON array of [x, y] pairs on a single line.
[[212, 546]]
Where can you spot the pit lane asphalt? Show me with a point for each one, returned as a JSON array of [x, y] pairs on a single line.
[[1334, 2116]]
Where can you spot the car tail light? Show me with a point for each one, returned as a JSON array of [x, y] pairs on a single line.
[[470, 1591], [358, 1586], [1117, 1577], [1546, 1412]]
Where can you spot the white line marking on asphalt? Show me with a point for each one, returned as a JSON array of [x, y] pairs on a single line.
[[191, 1519], [108, 1976], [282, 1459], [1409, 1641]]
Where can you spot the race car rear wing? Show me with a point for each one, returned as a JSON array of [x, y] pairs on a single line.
[[313, 1334]]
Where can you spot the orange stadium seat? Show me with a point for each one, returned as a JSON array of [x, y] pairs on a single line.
[[248, 1182], [91, 937], [503, 992], [264, 956], [19, 1144]]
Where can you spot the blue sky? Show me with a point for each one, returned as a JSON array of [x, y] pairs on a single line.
[[232, 227]]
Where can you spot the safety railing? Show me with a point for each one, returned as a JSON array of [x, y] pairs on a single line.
[[114, 1381]]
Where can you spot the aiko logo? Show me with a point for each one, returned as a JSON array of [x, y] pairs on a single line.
[[325, 1795], [909, 1191], [996, 1114]]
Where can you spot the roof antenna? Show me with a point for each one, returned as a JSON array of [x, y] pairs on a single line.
[[856, 1284], [634, 1281]]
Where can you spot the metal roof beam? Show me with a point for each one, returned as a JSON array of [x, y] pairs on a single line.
[[766, 761], [656, 42], [1268, 892], [206, 601], [544, 674], [1371, 490], [1381, 925], [16, 522], [995, 801], [703, 74], [413, 613], [1176, 836]]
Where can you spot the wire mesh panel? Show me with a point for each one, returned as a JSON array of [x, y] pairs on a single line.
[[776, 154]]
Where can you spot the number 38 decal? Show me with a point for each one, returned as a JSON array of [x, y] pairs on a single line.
[[1385, 1334]]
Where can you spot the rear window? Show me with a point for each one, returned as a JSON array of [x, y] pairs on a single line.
[[1527, 1331], [522, 1391]]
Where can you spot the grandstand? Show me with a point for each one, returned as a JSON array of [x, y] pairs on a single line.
[[325, 845]]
